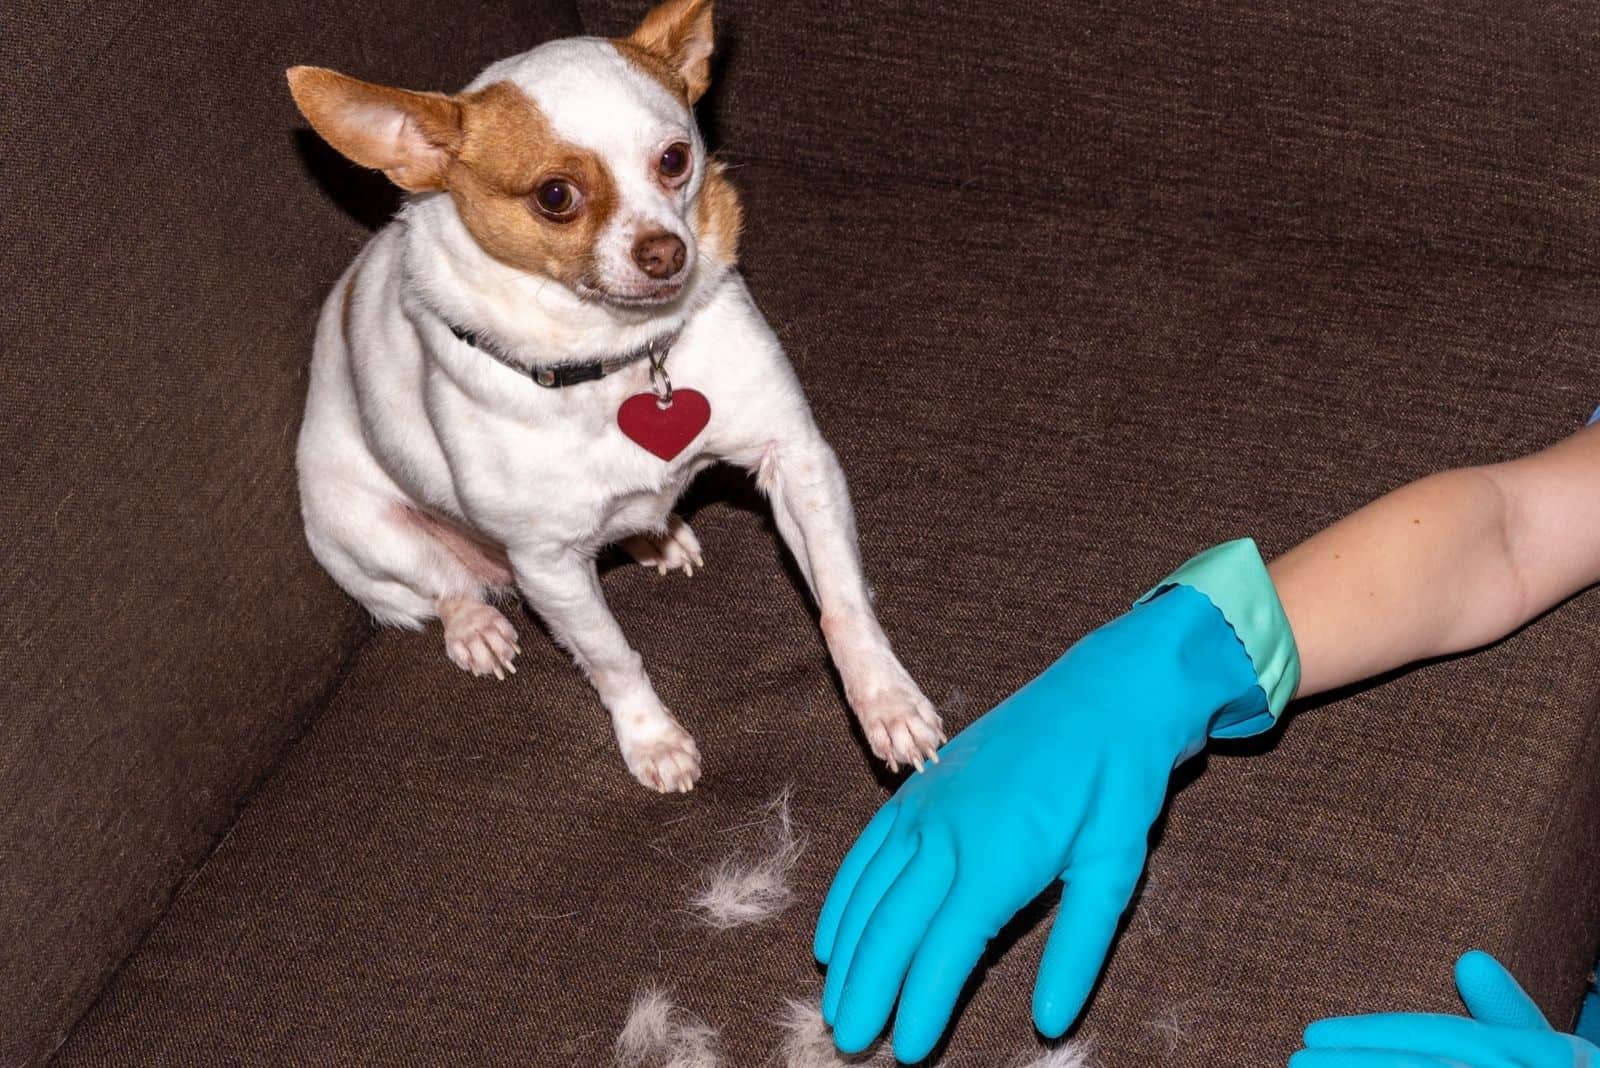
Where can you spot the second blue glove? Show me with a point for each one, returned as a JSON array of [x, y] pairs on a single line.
[[1505, 1030]]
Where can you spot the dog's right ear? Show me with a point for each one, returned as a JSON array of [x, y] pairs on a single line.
[[679, 32], [409, 136]]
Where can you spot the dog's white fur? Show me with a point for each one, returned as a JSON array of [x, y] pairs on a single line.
[[407, 421]]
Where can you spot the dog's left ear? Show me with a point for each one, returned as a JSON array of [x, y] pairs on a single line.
[[679, 32]]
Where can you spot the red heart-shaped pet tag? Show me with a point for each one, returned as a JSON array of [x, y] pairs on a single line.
[[664, 431]]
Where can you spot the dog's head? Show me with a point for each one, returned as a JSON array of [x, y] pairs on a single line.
[[578, 161]]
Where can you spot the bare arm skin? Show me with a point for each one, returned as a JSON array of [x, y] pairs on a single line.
[[1445, 564]]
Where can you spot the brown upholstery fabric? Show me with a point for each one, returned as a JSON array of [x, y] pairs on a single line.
[[163, 630], [1041, 410]]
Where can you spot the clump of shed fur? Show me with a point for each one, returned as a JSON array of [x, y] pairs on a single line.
[[752, 887], [659, 1034], [805, 1041], [1073, 1054]]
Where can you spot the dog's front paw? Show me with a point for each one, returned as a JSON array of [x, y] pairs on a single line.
[[900, 724], [675, 549], [667, 761]]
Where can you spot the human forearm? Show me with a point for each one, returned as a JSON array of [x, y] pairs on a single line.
[[1448, 563]]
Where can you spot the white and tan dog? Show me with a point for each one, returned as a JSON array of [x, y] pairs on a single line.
[[514, 374]]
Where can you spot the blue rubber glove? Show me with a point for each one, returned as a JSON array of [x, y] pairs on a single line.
[[1505, 1030], [1060, 781], [1589, 1017]]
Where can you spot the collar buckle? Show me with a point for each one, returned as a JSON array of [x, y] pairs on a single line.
[[559, 375]]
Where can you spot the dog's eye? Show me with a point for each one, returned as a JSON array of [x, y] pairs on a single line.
[[557, 198], [674, 162]]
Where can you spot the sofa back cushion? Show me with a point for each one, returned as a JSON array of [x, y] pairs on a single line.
[[1463, 128]]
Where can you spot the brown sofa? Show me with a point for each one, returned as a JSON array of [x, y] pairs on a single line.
[[1077, 289]]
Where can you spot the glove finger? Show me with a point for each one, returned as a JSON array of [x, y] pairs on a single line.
[[891, 937], [1414, 1032], [1369, 1058], [844, 881], [948, 953], [1091, 908], [879, 874], [1493, 996]]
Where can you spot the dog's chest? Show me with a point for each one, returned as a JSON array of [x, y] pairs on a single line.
[[557, 460]]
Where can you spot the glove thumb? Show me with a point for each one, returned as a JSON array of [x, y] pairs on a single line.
[[1493, 997]]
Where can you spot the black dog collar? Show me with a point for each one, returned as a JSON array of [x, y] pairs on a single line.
[[572, 372]]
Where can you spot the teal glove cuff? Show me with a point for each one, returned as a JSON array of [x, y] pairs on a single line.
[[1234, 577]]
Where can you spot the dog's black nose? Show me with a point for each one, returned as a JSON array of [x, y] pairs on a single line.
[[659, 255]]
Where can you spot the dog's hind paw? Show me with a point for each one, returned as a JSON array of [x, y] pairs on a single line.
[[675, 549], [669, 764], [478, 638]]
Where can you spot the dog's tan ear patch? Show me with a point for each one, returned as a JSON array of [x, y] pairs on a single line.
[[409, 136], [677, 36]]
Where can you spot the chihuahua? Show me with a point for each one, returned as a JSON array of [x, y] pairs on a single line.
[[537, 355]]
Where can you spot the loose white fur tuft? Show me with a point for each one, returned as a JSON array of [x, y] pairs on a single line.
[[659, 1034], [1172, 1026], [805, 1041], [1073, 1054], [750, 888]]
